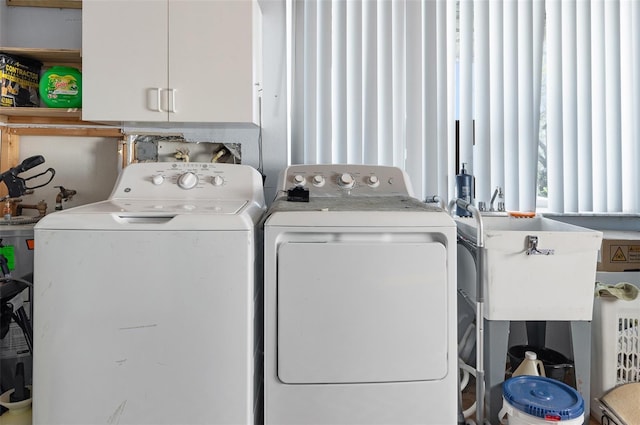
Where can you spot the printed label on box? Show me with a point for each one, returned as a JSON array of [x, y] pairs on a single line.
[[625, 253]]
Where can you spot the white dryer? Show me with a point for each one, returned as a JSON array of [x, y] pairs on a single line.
[[144, 304], [360, 306]]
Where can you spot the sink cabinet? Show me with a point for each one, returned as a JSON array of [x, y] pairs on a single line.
[[168, 60]]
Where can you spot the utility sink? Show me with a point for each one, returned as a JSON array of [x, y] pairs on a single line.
[[534, 268]]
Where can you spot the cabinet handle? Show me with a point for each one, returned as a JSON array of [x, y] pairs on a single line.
[[159, 91], [173, 100]]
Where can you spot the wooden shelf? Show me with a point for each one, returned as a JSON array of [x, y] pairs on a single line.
[[74, 113], [63, 4], [48, 57]]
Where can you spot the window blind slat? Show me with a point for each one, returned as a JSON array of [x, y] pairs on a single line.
[[583, 100], [310, 83], [465, 97], [598, 127], [555, 154], [482, 151], [370, 83], [385, 96], [612, 101], [627, 147], [354, 78], [297, 83], [569, 106], [340, 112], [442, 105], [323, 75], [429, 100], [511, 145], [398, 64], [528, 145], [451, 97], [413, 89], [496, 82], [635, 46]]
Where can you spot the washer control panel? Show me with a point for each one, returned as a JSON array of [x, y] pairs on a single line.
[[346, 179], [188, 180]]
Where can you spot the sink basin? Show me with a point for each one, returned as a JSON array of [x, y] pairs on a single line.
[[534, 268]]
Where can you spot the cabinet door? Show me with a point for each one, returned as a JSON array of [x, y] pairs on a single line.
[[124, 59], [211, 60]]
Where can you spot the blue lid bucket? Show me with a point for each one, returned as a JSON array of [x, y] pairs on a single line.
[[533, 400]]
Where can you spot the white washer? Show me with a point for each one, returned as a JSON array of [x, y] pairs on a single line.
[[360, 306], [144, 304]]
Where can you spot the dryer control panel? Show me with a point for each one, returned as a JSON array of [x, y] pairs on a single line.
[[346, 179]]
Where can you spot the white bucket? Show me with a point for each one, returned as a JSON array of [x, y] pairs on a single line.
[[537, 400], [512, 416]]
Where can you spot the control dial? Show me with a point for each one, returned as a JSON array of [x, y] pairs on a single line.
[[188, 180], [299, 180], [157, 179], [346, 180], [217, 181], [373, 181]]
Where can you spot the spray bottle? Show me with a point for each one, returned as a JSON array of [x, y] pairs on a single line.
[[464, 183]]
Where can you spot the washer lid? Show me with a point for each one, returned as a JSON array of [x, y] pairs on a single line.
[[543, 397]]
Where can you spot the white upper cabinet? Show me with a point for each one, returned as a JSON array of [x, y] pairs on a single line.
[[168, 60]]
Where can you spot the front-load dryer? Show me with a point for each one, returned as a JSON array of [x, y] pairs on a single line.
[[360, 306], [144, 304]]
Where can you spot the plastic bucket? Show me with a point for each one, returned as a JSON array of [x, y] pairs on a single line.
[[536, 400], [555, 364]]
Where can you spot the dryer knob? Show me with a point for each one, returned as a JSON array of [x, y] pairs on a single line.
[[157, 179], [318, 180], [346, 180], [299, 180], [188, 180], [373, 181]]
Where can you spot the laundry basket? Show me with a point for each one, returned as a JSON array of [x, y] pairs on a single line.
[[615, 352]]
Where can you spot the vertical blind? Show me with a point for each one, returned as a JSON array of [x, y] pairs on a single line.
[[530, 94]]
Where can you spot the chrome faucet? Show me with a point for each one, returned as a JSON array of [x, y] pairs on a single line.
[[498, 192]]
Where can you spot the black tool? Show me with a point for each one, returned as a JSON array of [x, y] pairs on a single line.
[[17, 186]]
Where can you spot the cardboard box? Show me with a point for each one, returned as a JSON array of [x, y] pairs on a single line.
[[19, 81], [620, 251]]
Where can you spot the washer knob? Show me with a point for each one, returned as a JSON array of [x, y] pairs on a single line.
[[373, 181], [346, 180], [318, 180], [188, 180], [157, 179], [217, 181], [299, 180]]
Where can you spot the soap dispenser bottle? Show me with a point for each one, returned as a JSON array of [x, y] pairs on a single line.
[[464, 183]]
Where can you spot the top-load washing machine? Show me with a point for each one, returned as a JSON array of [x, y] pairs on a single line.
[[144, 304], [360, 306]]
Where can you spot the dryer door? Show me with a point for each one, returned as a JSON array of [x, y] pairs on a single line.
[[356, 312]]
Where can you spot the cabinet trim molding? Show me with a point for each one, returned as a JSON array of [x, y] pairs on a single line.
[[64, 4]]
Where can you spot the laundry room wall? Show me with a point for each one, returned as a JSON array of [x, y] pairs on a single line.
[[39, 27], [88, 165]]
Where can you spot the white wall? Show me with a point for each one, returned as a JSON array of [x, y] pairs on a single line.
[[88, 165], [39, 27]]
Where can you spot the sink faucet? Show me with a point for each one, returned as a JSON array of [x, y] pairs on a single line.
[[498, 192]]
